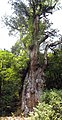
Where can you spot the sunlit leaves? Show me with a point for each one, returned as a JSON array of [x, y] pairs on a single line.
[[50, 106], [10, 77]]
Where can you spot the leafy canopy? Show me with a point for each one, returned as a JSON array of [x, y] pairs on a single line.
[[24, 16]]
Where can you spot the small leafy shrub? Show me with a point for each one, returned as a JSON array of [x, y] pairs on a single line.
[[50, 107]]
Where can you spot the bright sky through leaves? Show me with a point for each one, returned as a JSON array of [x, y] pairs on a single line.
[[7, 41]]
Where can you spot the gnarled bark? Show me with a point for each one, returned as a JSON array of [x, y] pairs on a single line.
[[33, 84], [34, 80]]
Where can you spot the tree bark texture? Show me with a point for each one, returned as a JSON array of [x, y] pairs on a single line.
[[34, 80], [33, 85]]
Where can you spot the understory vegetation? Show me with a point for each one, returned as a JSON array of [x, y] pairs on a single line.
[[50, 106], [10, 80]]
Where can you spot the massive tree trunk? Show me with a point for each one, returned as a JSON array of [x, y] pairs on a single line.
[[34, 80], [33, 84]]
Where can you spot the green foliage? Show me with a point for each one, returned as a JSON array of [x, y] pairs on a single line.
[[54, 70], [10, 79], [50, 107], [24, 16]]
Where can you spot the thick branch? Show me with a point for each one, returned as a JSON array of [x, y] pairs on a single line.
[[55, 43], [46, 9], [46, 49], [42, 40]]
